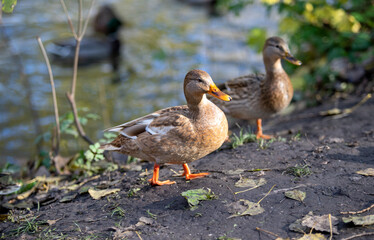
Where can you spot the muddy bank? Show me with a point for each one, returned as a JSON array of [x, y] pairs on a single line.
[[314, 154]]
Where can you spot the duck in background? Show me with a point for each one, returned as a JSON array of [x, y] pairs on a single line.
[[104, 45], [177, 135], [258, 96], [211, 6]]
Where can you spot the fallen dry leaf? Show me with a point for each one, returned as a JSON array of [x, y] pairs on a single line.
[[68, 198], [9, 189], [362, 221], [97, 194], [312, 236], [51, 222], [248, 182], [367, 172], [297, 227], [120, 234], [27, 193], [320, 223], [245, 207], [331, 112], [148, 221], [3, 217], [296, 195]]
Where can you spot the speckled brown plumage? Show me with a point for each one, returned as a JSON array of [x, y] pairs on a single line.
[[258, 96], [177, 135]]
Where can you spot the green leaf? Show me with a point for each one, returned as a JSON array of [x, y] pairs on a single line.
[[99, 151], [83, 120], [194, 196], [89, 155], [361, 41], [93, 116], [336, 52], [256, 38], [362, 221], [289, 25], [92, 148], [71, 131], [97, 146], [26, 187], [109, 135], [8, 5], [99, 157]]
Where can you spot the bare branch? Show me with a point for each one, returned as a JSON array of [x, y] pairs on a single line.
[[75, 67], [81, 132], [69, 19], [55, 143], [87, 20], [78, 38], [80, 18]]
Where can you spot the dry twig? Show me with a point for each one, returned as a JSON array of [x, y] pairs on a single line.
[[268, 232], [358, 212], [359, 235], [138, 235], [330, 226], [56, 138], [266, 194]]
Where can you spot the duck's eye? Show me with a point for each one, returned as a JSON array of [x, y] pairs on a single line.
[[277, 46], [199, 80]]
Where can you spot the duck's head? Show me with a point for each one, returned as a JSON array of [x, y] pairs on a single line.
[[276, 47], [197, 83], [106, 21]]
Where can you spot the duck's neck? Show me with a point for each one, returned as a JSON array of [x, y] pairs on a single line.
[[273, 67], [197, 105], [276, 88]]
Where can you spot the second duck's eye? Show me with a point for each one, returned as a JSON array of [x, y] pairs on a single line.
[[277, 46], [200, 80]]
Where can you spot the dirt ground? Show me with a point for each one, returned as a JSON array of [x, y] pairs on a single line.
[[327, 152]]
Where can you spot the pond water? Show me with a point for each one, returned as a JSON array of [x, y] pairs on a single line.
[[162, 41]]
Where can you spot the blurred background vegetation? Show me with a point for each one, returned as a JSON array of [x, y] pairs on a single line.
[[333, 38]]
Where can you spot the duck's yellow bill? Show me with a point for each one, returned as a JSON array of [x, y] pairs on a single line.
[[215, 92], [292, 59]]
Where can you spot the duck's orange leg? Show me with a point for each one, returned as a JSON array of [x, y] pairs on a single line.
[[189, 175], [259, 131], [154, 180]]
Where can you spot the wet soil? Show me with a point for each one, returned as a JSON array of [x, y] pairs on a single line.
[[333, 150]]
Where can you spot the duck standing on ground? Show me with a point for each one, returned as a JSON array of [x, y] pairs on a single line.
[[177, 135], [258, 96]]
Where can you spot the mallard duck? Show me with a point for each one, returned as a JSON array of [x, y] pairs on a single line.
[[104, 45], [258, 96], [177, 135]]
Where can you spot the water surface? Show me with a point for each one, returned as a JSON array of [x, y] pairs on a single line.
[[162, 41]]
